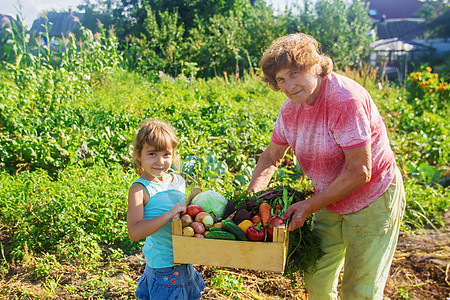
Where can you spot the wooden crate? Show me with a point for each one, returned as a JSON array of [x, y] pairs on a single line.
[[263, 256]]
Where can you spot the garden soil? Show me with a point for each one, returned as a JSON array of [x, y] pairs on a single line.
[[420, 270]]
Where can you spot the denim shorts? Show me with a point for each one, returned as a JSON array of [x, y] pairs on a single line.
[[181, 282]]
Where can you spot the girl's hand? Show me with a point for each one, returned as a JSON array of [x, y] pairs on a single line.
[[178, 208]]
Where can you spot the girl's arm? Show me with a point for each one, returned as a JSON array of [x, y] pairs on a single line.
[[358, 170], [138, 228], [268, 162]]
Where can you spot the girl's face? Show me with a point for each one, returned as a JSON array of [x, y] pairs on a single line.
[[299, 86], [155, 163]]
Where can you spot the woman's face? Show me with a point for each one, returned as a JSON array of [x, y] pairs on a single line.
[[299, 86]]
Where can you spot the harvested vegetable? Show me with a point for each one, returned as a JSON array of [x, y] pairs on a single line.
[[193, 210], [211, 202], [256, 219], [277, 210], [241, 215], [304, 247], [215, 229], [256, 232], [205, 218], [186, 220], [217, 224], [273, 222], [220, 235], [264, 212], [198, 227], [230, 208], [244, 225], [234, 229], [188, 231]]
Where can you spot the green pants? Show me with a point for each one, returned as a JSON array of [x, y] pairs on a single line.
[[363, 243]]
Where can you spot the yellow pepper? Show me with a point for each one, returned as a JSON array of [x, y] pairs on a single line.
[[244, 225]]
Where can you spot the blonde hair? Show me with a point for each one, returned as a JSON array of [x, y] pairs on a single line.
[[293, 51], [159, 135]]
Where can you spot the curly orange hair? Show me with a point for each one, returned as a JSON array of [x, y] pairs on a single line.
[[294, 51]]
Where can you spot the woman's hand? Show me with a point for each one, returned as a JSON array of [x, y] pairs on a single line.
[[298, 212]]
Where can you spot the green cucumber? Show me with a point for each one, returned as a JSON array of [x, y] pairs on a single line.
[[215, 229], [234, 229], [220, 235]]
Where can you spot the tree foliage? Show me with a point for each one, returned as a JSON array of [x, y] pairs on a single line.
[[217, 36], [341, 27]]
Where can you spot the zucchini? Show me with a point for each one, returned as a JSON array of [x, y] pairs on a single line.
[[234, 229], [220, 235]]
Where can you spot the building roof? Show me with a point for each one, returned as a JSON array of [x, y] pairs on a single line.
[[393, 9], [61, 23], [395, 44], [6, 20], [404, 29]]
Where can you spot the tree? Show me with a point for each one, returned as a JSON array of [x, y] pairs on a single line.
[[233, 40], [341, 27], [193, 12], [262, 26], [100, 11]]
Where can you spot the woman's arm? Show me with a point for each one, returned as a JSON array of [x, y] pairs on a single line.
[[268, 162], [138, 228], [358, 169]]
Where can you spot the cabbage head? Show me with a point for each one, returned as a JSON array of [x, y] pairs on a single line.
[[211, 202]]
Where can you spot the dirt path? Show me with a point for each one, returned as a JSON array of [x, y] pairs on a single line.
[[421, 267]]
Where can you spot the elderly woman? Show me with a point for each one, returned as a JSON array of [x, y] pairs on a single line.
[[340, 141]]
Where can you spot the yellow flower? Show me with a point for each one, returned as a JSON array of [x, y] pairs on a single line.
[[442, 86], [429, 69], [436, 75]]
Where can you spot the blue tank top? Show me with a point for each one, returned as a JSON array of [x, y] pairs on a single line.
[[158, 249]]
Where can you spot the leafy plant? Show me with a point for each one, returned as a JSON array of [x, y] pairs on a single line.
[[424, 205], [428, 92], [403, 294], [227, 283], [72, 217]]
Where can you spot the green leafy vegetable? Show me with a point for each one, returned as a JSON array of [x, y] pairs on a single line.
[[211, 202]]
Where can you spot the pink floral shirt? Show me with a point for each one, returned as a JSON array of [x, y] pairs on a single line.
[[344, 117]]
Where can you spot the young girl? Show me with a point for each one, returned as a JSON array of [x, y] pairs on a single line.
[[153, 200]]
